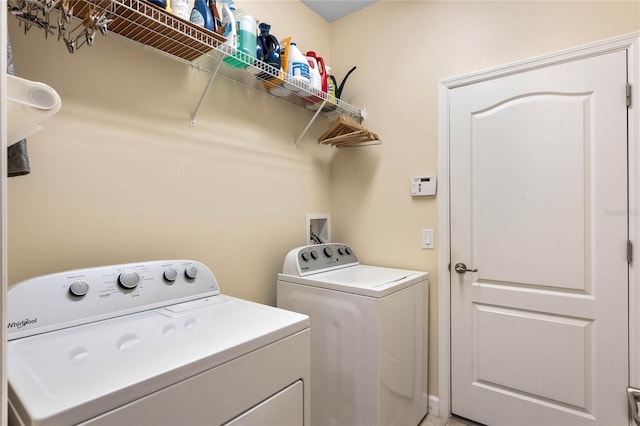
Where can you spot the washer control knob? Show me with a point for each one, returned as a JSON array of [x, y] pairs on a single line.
[[347, 250], [170, 274], [314, 254], [341, 251], [191, 272], [328, 251], [79, 288], [129, 279], [305, 256]]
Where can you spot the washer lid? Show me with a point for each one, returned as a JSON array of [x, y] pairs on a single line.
[[373, 281], [71, 375]]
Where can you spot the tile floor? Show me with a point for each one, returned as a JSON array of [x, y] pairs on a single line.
[[432, 420]]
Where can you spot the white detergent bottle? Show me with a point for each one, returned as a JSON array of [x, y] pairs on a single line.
[[298, 67], [229, 25], [181, 8]]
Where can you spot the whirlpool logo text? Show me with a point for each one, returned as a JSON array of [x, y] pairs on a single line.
[[20, 324]]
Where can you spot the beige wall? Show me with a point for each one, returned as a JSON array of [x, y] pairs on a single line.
[[120, 175], [402, 50]]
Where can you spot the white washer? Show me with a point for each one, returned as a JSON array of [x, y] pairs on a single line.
[[152, 343], [368, 327]]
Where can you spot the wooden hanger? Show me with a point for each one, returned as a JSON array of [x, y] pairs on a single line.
[[345, 132]]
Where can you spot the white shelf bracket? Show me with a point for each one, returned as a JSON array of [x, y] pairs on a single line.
[[304, 131], [204, 93]]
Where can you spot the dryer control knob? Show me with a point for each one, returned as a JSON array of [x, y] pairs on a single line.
[[328, 252], [129, 279], [341, 251], [79, 288], [347, 250], [191, 272], [170, 274]]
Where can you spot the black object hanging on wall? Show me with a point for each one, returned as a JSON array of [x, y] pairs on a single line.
[[17, 156]]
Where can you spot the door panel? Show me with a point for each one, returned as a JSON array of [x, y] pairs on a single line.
[[544, 139], [538, 169], [523, 330]]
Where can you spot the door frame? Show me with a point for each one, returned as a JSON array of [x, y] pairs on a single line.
[[628, 42], [3, 216]]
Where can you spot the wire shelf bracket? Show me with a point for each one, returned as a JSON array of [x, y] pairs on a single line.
[[304, 131], [214, 73]]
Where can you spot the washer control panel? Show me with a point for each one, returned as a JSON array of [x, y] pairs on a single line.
[[66, 299], [317, 258]]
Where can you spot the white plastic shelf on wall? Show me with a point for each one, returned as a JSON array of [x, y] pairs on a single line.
[[150, 25]]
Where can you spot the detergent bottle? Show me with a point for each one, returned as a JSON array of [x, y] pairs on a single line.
[[228, 24], [215, 14], [318, 76], [181, 8], [298, 67], [229, 27], [315, 82], [315, 79], [239, 19], [201, 15], [275, 85], [331, 91], [321, 70], [268, 51], [269, 45], [246, 28], [159, 3]]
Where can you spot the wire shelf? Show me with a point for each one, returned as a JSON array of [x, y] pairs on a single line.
[[145, 23]]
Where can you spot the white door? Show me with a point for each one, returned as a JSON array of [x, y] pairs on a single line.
[[538, 181]]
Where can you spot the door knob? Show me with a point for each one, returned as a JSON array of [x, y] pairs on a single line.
[[461, 268]]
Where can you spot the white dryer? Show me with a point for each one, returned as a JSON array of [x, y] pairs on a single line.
[[368, 331], [152, 343]]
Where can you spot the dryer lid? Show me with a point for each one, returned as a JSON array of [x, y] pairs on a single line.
[[366, 280]]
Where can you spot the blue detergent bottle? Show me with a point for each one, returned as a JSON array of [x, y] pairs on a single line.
[[270, 46], [160, 3], [201, 15]]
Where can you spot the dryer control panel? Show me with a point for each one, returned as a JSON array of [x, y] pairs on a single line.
[[81, 296], [317, 258]]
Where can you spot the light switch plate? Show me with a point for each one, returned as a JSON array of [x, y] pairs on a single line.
[[428, 239]]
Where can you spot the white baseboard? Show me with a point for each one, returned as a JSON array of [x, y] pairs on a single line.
[[424, 402], [430, 402], [433, 405]]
